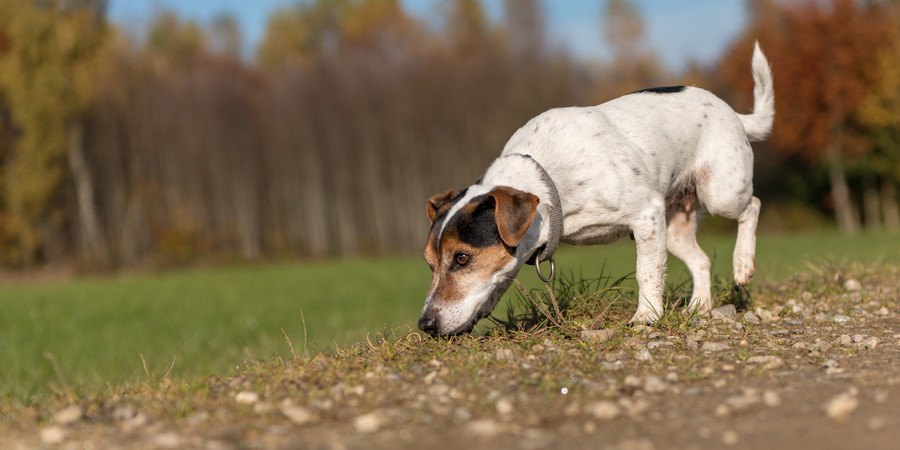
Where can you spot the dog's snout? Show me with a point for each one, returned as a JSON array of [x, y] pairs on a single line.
[[428, 324]]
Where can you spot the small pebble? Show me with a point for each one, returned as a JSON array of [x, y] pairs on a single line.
[[53, 435], [643, 355], [167, 440], [714, 346], [771, 399], [604, 410], [871, 343], [841, 405], [852, 285], [67, 415], [729, 438], [297, 414], [840, 319], [370, 422], [724, 312], [483, 428], [653, 385], [504, 406], [246, 397], [597, 336], [843, 339]]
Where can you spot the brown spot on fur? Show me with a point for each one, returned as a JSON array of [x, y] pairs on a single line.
[[440, 203], [515, 211], [450, 282]]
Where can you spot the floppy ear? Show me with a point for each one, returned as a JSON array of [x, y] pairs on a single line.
[[514, 211], [437, 203]]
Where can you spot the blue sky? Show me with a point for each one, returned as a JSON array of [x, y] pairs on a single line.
[[679, 31]]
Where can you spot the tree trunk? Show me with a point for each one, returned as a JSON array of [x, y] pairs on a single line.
[[871, 203], [92, 240], [889, 205], [840, 192]]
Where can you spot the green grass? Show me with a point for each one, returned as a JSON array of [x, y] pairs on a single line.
[[210, 320]]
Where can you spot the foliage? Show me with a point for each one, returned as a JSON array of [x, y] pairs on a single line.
[[46, 80]]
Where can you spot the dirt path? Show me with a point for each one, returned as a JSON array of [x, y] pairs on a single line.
[[816, 364]]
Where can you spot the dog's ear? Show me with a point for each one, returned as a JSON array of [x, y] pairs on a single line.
[[514, 211], [437, 203]]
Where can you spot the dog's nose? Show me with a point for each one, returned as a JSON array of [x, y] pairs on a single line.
[[428, 325]]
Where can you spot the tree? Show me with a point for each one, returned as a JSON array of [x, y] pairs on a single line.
[[820, 52], [880, 111], [45, 76], [525, 28], [633, 65], [298, 34]]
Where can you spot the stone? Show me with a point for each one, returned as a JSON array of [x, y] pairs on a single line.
[[871, 343], [840, 319], [768, 361], [654, 385], [852, 285], [53, 435], [483, 428], [729, 438], [67, 415], [750, 317], [246, 397], [597, 336], [167, 440], [504, 406], [842, 405], [771, 399], [714, 346], [724, 312], [503, 354], [643, 355], [298, 415], [843, 339], [604, 410], [370, 422]]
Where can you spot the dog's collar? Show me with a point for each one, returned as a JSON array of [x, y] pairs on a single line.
[[555, 221]]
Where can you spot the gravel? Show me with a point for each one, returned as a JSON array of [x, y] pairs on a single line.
[[842, 405]]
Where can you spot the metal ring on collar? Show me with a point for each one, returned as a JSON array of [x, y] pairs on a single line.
[[537, 268]]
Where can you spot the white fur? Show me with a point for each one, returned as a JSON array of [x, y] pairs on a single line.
[[617, 166]]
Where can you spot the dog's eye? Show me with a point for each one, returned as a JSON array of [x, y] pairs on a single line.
[[461, 258]]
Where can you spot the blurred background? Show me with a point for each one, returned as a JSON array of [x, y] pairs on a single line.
[[274, 157], [167, 132]]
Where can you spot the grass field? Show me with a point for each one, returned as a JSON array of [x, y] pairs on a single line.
[[96, 331]]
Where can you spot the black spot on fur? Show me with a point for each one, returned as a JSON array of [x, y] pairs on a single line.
[[705, 116], [440, 217], [480, 228], [661, 90], [636, 171]]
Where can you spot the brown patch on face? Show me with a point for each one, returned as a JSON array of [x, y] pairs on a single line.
[[514, 212], [440, 203], [450, 282]]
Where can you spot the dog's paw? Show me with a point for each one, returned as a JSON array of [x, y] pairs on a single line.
[[700, 306], [644, 318], [744, 268]]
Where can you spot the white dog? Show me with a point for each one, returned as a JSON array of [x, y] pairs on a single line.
[[642, 164]]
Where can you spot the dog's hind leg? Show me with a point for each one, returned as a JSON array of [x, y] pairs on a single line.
[[744, 262], [649, 228], [681, 241]]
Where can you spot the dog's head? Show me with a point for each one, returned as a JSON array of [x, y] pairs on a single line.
[[471, 250]]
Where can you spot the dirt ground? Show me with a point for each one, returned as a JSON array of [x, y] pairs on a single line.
[[814, 363]]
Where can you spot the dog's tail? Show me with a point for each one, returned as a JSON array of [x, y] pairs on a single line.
[[759, 124]]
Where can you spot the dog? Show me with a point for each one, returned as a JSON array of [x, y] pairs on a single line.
[[645, 164]]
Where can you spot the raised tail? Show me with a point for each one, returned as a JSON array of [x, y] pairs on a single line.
[[759, 124]]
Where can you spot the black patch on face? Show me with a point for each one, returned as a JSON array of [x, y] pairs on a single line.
[[480, 228], [661, 90], [440, 217]]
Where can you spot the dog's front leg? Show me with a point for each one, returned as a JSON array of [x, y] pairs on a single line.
[[649, 230]]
